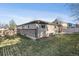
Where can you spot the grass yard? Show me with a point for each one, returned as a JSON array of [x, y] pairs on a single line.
[[60, 45]]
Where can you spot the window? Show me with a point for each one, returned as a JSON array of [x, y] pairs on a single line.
[[42, 26], [28, 26], [23, 27], [55, 27]]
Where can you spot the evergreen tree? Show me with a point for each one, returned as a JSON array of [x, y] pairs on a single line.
[[12, 25]]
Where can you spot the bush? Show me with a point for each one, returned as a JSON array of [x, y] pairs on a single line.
[[10, 37]]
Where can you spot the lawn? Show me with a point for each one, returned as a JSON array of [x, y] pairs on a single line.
[[59, 45]]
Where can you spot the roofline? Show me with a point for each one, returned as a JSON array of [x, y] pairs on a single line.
[[36, 23]]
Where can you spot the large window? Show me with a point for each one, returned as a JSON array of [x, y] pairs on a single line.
[[42, 26]]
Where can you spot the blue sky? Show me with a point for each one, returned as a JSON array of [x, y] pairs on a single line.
[[22, 13]]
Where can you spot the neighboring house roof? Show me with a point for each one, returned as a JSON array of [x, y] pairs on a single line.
[[4, 26], [71, 25], [57, 21]]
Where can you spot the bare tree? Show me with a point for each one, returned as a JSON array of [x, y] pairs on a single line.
[[74, 8]]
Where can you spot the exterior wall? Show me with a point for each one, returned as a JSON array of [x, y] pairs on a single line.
[[65, 25], [51, 29], [19, 27], [28, 30], [27, 26], [60, 28], [42, 31], [36, 31], [45, 32], [77, 25]]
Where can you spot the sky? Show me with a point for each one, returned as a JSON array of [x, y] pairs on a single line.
[[26, 12]]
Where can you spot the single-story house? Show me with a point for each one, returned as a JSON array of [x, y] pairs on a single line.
[[36, 29]]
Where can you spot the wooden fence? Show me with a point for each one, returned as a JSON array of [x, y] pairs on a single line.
[[70, 31]]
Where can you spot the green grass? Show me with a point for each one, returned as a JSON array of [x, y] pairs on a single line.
[[59, 45]]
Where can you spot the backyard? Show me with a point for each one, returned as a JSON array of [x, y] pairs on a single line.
[[59, 45]]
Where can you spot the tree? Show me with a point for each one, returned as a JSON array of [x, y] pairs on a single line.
[[75, 10], [12, 25]]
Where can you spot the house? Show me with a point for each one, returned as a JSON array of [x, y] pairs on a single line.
[[36, 29], [70, 25], [61, 25], [72, 28]]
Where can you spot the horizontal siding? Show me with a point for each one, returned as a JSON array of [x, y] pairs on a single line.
[[27, 32], [28, 26]]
